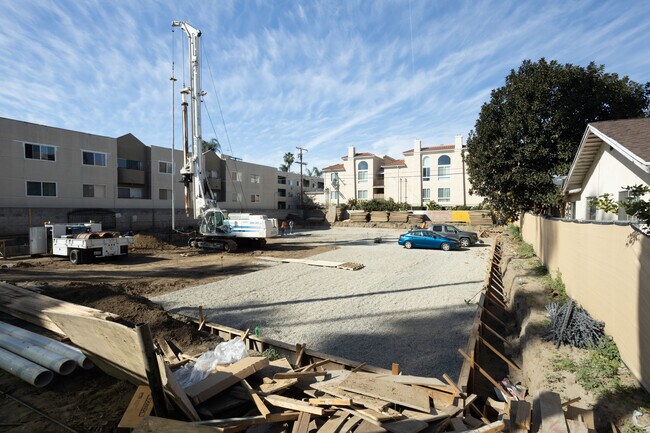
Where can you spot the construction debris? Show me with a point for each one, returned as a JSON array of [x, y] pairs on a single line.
[[572, 325], [322, 263]]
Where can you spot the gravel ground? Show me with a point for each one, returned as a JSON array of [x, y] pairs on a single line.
[[405, 306]]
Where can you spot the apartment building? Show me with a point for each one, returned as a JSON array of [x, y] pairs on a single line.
[[423, 174], [59, 175]]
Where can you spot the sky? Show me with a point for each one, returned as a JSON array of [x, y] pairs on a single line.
[[322, 75]]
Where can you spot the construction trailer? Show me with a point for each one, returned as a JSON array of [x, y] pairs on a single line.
[[80, 242]]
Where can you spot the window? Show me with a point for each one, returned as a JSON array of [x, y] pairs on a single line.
[[282, 205], [426, 168], [213, 174], [282, 180], [362, 194], [93, 158], [334, 195], [572, 210], [129, 164], [333, 177], [94, 191], [236, 196], [426, 194], [235, 176], [124, 192], [320, 185], [164, 194], [444, 194], [165, 167], [41, 189], [282, 192], [40, 151], [591, 208], [255, 198], [362, 172], [622, 215], [444, 167], [255, 178]]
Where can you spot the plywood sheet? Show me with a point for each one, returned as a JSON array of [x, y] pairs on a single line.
[[404, 395]]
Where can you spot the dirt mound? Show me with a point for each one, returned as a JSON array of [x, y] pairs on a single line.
[[148, 241]]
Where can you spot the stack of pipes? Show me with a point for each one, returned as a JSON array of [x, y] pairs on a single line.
[[34, 358]]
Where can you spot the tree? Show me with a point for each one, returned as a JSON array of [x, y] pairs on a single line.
[[288, 161], [212, 145], [315, 172], [633, 205], [530, 130]]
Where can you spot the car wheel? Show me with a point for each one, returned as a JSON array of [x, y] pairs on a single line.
[[75, 257], [445, 246], [464, 242], [408, 245]]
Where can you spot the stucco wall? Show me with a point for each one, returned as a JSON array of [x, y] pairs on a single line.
[[607, 271]]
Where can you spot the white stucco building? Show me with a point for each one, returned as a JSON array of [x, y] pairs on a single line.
[[424, 174], [612, 155]]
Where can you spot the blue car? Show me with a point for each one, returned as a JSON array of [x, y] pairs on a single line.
[[426, 239]]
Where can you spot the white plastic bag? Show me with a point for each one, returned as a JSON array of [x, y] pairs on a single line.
[[225, 353]]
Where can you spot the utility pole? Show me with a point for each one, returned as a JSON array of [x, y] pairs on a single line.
[[300, 151]]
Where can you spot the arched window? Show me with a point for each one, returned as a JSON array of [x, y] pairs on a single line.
[[362, 172], [426, 168], [444, 167]]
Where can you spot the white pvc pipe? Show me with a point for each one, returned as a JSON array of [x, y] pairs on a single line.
[[40, 356], [47, 343], [24, 369]]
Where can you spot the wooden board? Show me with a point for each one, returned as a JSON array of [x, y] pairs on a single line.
[[141, 405], [302, 423], [404, 395], [494, 427], [350, 424], [408, 379], [576, 426], [334, 423], [330, 401], [360, 399], [35, 308], [552, 413], [368, 427], [293, 404], [405, 426], [175, 391], [433, 415], [226, 377], [520, 415], [152, 424]]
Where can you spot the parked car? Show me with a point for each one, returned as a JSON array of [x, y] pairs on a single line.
[[426, 239], [452, 232]]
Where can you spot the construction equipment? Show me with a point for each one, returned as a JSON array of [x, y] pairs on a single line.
[[80, 242], [217, 228]]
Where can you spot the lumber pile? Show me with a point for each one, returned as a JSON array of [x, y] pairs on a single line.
[[358, 216], [379, 216], [400, 217], [35, 308], [480, 217]]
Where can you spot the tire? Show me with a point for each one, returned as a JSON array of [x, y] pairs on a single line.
[[464, 242], [408, 245], [445, 246], [75, 257]]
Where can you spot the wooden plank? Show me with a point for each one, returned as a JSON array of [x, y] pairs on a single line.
[[225, 377], [254, 420], [394, 392], [453, 385], [520, 414], [176, 392], [576, 426], [587, 415], [152, 424], [484, 373], [493, 332], [458, 425], [551, 412], [395, 369], [360, 399], [330, 402], [314, 365], [140, 406], [433, 415], [373, 415], [293, 404], [571, 401], [350, 424], [494, 427], [298, 374], [300, 350], [276, 386], [368, 427], [302, 423], [334, 423], [408, 379], [264, 411], [472, 422], [499, 406]]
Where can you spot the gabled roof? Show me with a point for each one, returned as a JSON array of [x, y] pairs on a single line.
[[335, 167], [440, 148], [629, 137], [394, 163]]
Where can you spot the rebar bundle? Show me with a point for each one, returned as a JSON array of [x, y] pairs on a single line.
[[570, 324]]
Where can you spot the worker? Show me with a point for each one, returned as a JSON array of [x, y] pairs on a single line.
[[290, 227], [283, 228]]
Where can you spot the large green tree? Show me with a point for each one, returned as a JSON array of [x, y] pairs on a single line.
[[530, 130], [288, 161]]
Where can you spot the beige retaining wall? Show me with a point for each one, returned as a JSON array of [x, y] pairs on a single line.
[[607, 272]]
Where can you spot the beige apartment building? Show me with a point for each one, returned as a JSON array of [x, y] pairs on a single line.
[[59, 175], [424, 174]]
